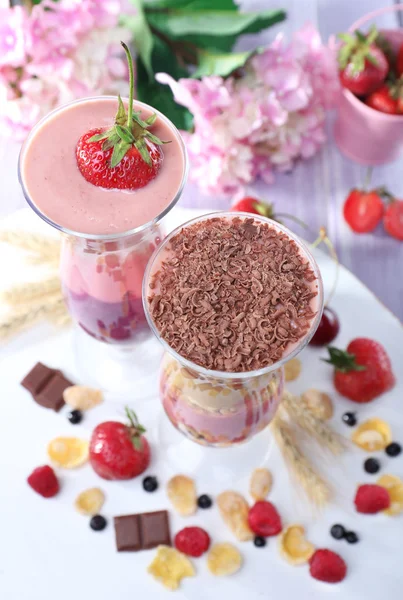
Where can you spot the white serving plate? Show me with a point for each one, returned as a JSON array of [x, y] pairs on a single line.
[[48, 551]]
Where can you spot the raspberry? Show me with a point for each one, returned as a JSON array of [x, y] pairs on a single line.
[[44, 481], [371, 499], [193, 541], [328, 566], [264, 519]]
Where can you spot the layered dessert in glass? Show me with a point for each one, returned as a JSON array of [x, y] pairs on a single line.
[[231, 297], [104, 171]]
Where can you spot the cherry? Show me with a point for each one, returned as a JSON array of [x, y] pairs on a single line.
[[328, 328]]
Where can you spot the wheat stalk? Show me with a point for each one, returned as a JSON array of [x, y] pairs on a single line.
[[20, 294], [323, 433], [46, 248], [317, 490], [22, 319]]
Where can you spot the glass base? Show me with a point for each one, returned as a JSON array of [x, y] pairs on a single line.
[[221, 466], [126, 373]]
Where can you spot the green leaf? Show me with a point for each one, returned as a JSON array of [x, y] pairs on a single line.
[[151, 120], [124, 134], [142, 36], [179, 24], [220, 64], [99, 136], [156, 140], [191, 4], [121, 116], [342, 360], [159, 95], [118, 152], [142, 148], [112, 140]]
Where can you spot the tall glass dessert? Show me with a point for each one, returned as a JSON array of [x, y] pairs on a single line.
[[231, 297], [104, 172]]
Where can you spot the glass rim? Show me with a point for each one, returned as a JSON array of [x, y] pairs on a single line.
[[106, 236], [211, 373]]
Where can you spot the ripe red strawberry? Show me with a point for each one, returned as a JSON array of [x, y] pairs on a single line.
[[119, 451], [383, 100], [126, 156], [193, 541], [363, 210], [363, 371], [131, 173], [327, 566], [264, 519], [44, 481], [393, 219], [371, 499], [254, 206], [363, 66], [399, 61]]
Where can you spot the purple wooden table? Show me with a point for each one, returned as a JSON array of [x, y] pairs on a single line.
[[316, 189]]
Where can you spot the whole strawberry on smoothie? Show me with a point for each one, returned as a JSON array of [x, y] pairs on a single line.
[[104, 170]]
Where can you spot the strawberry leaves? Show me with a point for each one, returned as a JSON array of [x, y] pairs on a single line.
[[356, 49], [136, 429], [342, 360], [129, 130]]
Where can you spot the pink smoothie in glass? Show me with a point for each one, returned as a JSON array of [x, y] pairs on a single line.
[[102, 261]]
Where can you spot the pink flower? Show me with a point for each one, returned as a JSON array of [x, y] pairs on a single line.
[[273, 115], [63, 50], [13, 24]]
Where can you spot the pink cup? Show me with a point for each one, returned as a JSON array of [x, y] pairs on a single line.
[[362, 133]]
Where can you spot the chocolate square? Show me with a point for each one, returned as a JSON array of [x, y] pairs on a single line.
[[154, 527], [51, 395], [37, 378], [142, 531], [127, 533]]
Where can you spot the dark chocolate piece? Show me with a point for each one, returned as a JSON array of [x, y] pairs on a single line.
[[127, 533], [51, 395], [142, 531], [154, 527], [37, 378]]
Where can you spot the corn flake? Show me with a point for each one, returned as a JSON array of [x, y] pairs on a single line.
[[234, 510], [294, 547], [90, 501], [260, 483], [372, 435], [170, 567], [81, 397], [292, 369], [181, 491], [224, 559], [68, 452], [394, 485]]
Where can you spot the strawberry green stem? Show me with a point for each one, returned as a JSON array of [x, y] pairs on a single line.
[[131, 84]]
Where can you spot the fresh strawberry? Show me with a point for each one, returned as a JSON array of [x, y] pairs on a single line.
[[327, 566], [44, 481], [399, 61], [363, 371], [363, 66], [254, 206], [119, 451], [393, 219], [264, 519], [363, 210], [371, 499], [383, 100], [126, 156], [193, 541]]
